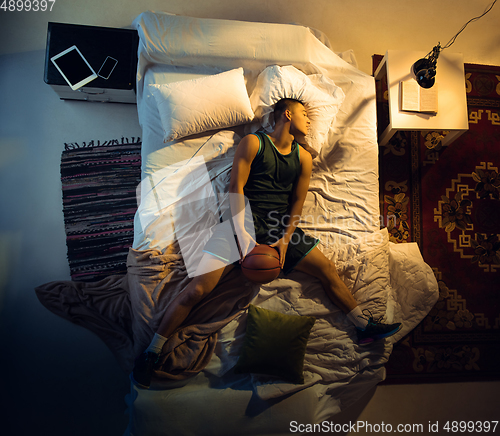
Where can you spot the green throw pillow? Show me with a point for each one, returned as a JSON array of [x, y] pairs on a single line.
[[275, 344]]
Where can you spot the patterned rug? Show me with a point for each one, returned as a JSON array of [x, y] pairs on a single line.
[[99, 179], [446, 199]]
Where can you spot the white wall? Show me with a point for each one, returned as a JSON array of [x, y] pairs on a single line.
[[61, 376], [367, 26]]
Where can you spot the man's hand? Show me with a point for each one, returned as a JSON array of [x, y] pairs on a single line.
[[281, 245]]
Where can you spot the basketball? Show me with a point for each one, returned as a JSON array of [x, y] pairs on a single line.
[[262, 264]]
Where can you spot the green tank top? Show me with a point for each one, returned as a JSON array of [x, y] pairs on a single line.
[[272, 178]]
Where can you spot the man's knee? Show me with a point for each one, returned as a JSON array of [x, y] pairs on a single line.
[[324, 269], [194, 294]]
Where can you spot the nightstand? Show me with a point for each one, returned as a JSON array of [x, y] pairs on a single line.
[[452, 102], [95, 44]]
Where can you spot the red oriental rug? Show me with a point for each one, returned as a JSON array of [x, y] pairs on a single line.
[[446, 199]]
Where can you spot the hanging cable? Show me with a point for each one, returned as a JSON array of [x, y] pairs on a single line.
[[452, 40]]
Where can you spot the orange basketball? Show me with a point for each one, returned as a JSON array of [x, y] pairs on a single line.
[[262, 264]]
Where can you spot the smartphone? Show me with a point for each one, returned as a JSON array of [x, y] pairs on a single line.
[[107, 67], [74, 67]]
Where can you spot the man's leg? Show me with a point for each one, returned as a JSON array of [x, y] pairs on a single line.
[[195, 291], [316, 264], [178, 311]]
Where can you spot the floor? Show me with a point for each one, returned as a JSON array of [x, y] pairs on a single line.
[[60, 379]]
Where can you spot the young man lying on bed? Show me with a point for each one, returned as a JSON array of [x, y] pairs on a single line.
[[272, 171]]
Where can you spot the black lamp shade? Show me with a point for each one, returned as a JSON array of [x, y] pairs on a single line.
[[425, 72]]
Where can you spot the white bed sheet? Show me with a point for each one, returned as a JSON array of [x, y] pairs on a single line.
[[344, 185], [342, 209]]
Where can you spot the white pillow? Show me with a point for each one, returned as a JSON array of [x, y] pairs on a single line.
[[198, 105], [321, 97]]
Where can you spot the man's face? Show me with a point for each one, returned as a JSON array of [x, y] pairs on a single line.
[[300, 122]]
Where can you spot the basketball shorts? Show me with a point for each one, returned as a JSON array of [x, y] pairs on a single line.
[[223, 246]]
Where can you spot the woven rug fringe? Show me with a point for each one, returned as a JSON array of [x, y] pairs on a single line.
[[93, 143]]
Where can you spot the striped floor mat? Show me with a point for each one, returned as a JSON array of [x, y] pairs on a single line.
[[99, 181]]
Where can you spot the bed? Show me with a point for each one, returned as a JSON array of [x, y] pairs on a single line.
[[190, 134]]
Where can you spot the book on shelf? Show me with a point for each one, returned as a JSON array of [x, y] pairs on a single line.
[[414, 98]]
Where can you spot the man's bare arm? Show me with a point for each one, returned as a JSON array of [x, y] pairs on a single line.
[[245, 154]]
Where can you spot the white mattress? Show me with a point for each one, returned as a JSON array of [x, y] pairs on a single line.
[[342, 209]]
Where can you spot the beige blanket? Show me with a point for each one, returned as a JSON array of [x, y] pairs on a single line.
[[125, 311]]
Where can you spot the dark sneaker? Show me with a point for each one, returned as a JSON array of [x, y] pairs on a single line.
[[143, 369], [375, 330]]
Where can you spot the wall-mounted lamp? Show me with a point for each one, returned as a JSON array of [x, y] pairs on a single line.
[[425, 68]]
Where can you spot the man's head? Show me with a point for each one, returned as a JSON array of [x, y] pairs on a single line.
[[283, 105], [293, 111]]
